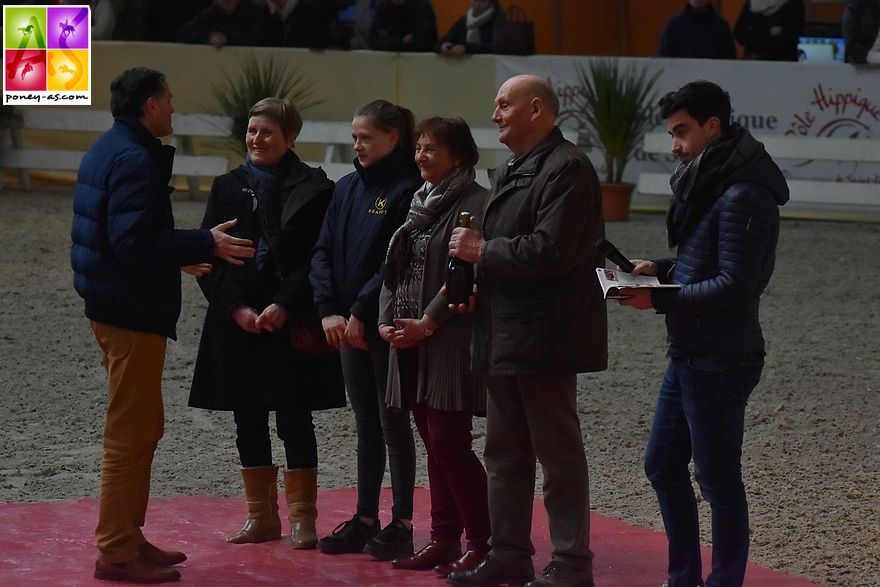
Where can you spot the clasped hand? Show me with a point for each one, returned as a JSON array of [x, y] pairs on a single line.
[[273, 318]]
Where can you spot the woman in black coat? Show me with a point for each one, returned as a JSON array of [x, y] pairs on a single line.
[[246, 362], [474, 32], [769, 30]]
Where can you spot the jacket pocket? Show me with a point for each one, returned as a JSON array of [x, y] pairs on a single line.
[[521, 333]]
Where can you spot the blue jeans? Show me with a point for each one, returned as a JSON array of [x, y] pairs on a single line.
[[701, 414]]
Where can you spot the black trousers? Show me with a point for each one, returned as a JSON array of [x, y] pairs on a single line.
[[295, 429]]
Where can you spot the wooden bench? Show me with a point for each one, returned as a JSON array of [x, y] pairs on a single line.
[[335, 138], [186, 126], [807, 192]]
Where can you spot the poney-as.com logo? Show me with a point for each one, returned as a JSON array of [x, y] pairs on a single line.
[[47, 54]]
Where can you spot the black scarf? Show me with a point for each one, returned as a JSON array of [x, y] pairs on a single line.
[[698, 184], [265, 182]]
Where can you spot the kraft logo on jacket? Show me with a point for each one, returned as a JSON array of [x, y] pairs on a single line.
[[379, 206]]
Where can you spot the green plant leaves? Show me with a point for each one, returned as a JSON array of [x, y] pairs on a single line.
[[616, 109]]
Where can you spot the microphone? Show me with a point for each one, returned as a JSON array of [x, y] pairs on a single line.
[[612, 254]]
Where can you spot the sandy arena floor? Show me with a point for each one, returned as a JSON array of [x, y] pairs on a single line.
[[812, 460]]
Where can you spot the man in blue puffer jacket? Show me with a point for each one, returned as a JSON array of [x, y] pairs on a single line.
[[127, 258], [724, 220]]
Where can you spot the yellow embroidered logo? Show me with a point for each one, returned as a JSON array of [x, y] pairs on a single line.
[[379, 206]]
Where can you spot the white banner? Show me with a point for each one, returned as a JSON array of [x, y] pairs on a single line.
[[768, 98]]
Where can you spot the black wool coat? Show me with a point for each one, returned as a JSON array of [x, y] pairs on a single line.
[[237, 370]]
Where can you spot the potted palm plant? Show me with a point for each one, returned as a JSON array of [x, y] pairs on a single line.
[[614, 112]]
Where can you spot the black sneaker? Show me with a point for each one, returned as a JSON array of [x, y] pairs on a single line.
[[395, 541], [350, 536]]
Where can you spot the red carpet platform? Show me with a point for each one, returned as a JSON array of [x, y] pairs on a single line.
[[51, 544]]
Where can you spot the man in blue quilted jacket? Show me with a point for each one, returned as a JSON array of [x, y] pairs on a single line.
[[724, 222], [127, 257]]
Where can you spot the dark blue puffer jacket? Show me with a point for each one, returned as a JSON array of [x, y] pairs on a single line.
[[126, 254], [725, 262]]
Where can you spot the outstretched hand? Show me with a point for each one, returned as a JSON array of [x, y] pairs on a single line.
[[197, 270], [230, 248]]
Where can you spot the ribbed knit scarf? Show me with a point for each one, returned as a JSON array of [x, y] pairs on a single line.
[[475, 22]]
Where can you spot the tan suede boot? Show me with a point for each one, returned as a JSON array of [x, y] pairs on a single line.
[[261, 490], [301, 490]]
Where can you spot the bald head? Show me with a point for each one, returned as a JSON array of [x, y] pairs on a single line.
[[525, 111]]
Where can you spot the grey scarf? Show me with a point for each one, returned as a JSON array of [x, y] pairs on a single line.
[[429, 204], [475, 22]]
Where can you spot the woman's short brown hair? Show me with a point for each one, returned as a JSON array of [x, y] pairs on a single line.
[[454, 134], [281, 112]]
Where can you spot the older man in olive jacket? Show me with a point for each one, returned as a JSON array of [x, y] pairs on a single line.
[[540, 320]]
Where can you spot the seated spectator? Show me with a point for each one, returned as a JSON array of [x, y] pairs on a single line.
[[769, 30], [861, 25], [403, 25], [473, 32], [697, 32], [304, 23], [163, 18], [232, 22]]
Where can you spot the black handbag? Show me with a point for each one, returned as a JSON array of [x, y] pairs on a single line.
[[514, 35]]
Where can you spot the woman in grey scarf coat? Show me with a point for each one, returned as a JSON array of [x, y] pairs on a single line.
[[429, 365]]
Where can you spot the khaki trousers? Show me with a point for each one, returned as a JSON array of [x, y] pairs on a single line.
[[135, 422]]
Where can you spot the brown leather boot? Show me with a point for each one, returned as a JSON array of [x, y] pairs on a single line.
[[261, 490], [301, 491]]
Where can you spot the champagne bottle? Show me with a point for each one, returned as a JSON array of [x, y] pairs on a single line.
[[460, 274]]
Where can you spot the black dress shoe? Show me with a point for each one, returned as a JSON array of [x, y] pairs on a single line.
[[135, 571], [562, 574], [431, 555], [467, 562], [492, 573]]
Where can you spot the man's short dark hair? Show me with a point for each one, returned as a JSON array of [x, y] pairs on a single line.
[[701, 100], [130, 91]]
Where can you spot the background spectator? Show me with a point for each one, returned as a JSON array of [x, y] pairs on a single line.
[[163, 18], [473, 32], [769, 30], [860, 25], [304, 23], [697, 32], [232, 22], [403, 25]]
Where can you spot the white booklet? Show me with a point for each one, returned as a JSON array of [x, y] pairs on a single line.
[[612, 281]]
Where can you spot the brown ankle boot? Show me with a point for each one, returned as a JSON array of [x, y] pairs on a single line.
[[261, 490], [301, 491]]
